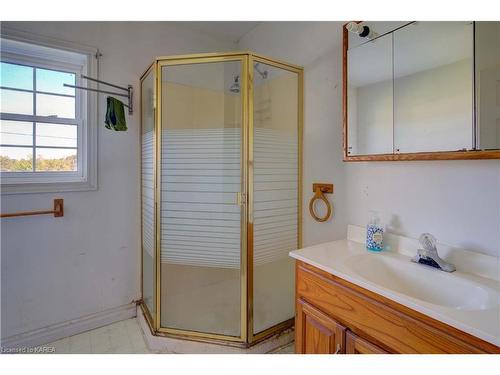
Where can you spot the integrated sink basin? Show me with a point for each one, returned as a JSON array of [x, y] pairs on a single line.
[[423, 282]]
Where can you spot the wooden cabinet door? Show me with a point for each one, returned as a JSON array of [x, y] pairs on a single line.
[[356, 345], [316, 332]]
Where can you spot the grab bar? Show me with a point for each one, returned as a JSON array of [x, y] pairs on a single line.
[[58, 211]]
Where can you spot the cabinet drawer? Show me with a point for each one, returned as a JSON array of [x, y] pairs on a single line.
[[377, 318]]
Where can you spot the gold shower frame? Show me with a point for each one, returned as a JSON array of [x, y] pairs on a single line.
[[247, 336]]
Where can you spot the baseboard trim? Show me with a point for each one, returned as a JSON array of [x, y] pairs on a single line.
[[69, 328]]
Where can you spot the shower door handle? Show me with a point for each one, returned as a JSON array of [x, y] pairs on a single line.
[[241, 199]]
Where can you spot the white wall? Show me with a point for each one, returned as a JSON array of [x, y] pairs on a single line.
[[54, 270], [457, 201]]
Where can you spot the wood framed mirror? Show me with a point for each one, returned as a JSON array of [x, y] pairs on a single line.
[[421, 90]]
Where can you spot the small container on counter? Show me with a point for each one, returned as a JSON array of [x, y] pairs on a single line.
[[374, 233]]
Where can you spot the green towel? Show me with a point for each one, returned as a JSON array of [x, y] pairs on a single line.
[[115, 115]]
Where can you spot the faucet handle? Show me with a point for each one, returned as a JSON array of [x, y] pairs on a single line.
[[428, 242], [428, 254]]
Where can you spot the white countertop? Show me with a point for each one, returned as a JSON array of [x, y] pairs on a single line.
[[340, 257]]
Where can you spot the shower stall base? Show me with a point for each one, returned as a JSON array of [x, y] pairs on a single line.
[[163, 344]]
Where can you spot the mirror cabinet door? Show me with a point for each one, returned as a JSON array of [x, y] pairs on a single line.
[[422, 90], [433, 87], [370, 97], [487, 54]]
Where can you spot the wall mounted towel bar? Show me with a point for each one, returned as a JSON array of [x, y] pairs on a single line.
[[320, 190], [58, 211], [129, 91]]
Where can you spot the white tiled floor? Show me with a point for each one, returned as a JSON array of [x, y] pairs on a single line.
[[123, 337], [289, 349]]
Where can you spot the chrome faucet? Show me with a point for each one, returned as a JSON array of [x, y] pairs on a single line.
[[428, 255]]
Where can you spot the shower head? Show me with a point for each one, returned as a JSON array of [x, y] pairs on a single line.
[[263, 73], [362, 31], [235, 87]]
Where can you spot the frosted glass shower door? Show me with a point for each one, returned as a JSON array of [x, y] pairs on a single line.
[[201, 178], [275, 200], [148, 191]]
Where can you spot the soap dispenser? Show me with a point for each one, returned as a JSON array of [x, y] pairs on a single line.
[[374, 233]]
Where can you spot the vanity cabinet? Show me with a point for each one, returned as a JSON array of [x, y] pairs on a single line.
[[336, 316]]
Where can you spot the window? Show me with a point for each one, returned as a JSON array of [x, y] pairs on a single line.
[[46, 143], [39, 127]]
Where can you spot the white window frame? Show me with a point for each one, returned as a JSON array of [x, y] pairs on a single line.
[[59, 58]]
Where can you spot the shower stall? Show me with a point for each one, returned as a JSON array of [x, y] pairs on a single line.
[[221, 146]]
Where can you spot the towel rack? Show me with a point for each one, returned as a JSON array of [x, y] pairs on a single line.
[[320, 189], [58, 211], [129, 89]]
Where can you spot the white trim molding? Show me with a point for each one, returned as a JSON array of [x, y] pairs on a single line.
[[69, 328], [87, 143]]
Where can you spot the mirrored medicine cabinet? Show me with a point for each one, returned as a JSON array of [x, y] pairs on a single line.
[[421, 90]]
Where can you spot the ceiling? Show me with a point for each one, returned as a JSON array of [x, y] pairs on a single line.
[[227, 31]]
